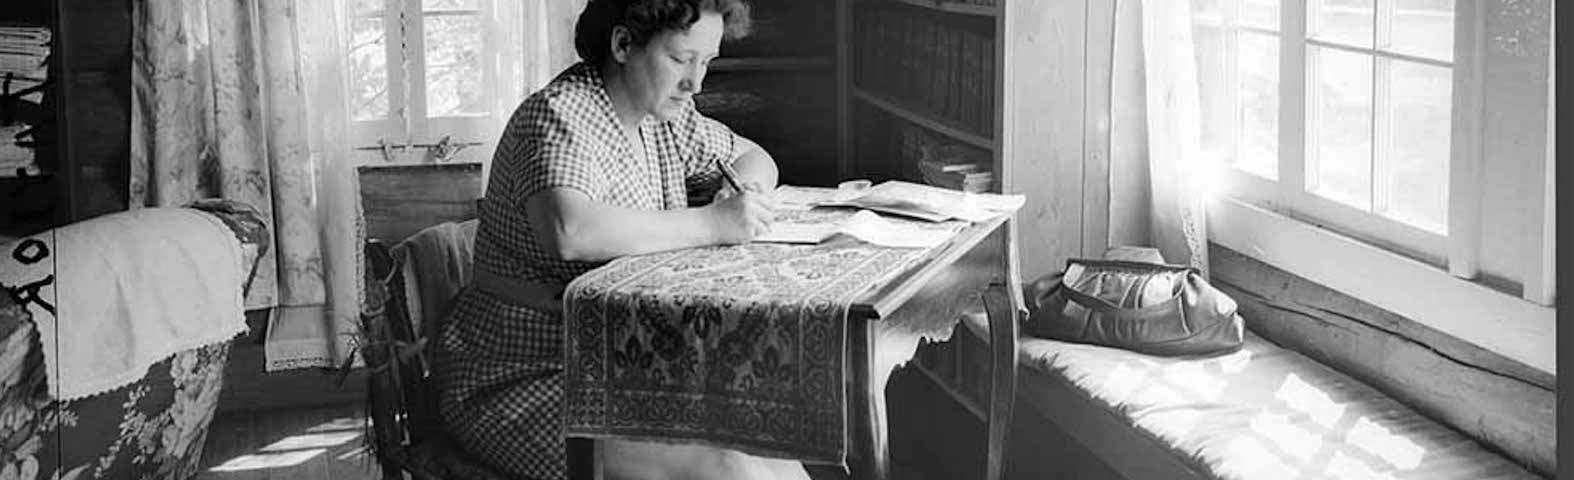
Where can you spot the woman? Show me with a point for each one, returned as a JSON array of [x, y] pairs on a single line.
[[595, 166]]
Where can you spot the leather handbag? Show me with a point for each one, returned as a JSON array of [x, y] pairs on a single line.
[[1166, 310]]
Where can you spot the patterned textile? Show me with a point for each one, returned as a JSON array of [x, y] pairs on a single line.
[[497, 365], [741, 346], [154, 428]]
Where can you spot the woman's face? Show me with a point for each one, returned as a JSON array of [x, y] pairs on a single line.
[[664, 75]]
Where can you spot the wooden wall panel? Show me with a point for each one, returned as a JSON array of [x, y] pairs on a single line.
[[1042, 47]]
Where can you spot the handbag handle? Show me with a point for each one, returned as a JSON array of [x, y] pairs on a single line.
[[1100, 305]]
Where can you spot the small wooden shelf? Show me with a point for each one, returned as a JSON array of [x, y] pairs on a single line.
[[955, 7], [952, 390], [743, 64], [938, 126]]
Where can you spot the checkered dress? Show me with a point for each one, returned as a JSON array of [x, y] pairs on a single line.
[[499, 365]]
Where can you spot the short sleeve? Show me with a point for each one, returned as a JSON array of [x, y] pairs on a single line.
[[551, 151], [709, 142]]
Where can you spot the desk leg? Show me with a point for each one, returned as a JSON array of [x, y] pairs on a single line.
[[867, 404]]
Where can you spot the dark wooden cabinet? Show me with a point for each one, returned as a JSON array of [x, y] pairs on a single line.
[[777, 87]]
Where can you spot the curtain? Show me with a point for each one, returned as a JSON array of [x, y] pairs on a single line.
[[1157, 169], [244, 100]]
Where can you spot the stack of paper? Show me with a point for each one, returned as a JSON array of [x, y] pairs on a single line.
[[866, 226], [932, 203], [15, 159], [24, 54]]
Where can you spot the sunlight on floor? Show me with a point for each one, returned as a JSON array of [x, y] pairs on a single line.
[[297, 449], [258, 461]]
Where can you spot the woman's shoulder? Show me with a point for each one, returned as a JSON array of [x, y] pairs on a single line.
[[572, 97], [576, 87]]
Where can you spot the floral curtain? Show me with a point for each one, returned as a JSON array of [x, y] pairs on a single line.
[[243, 100], [1155, 133]]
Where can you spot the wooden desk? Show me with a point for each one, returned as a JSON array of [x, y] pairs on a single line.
[[885, 327]]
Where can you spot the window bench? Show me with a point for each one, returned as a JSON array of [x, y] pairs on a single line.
[[1264, 412]]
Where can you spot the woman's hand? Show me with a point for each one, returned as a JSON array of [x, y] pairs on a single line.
[[739, 217]]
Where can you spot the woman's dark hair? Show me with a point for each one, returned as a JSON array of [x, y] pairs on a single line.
[[646, 18]]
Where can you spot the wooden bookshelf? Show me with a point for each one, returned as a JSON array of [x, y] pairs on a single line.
[[955, 7], [1027, 102], [933, 124], [748, 64], [1017, 80]]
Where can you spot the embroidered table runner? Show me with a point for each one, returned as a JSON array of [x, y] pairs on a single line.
[[741, 347]]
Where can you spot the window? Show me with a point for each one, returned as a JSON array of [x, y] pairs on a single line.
[[425, 70], [1378, 146], [1357, 135]]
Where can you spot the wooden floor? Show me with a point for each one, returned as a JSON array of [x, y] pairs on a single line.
[[309, 443], [323, 443]]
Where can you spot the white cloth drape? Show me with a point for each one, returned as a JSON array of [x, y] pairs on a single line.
[[245, 100], [1155, 111]]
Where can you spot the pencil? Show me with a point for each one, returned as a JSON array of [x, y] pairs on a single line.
[[731, 175]]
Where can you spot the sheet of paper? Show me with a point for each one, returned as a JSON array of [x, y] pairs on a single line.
[[785, 232], [792, 197], [870, 227]]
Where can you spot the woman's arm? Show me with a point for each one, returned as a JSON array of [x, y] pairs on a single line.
[[578, 228], [755, 165]]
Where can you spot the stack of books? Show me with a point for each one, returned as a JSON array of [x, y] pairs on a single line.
[[24, 69], [965, 177], [956, 167]]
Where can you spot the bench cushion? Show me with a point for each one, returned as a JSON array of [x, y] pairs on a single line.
[[1263, 412]]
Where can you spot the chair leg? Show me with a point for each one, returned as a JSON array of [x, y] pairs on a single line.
[[583, 463], [1003, 324]]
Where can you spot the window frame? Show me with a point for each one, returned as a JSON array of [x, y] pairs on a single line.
[[408, 135], [1430, 278]]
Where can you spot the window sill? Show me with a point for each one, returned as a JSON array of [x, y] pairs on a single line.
[[1498, 322]]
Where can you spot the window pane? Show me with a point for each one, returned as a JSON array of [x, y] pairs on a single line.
[[430, 5], [1343, 165], [1260, 13], [1421, 96], [1424, 28], [368, 69], [1205, 8], [363, 7], [1213, 89], [453, 66], [1259, 103], [1343, 21]]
